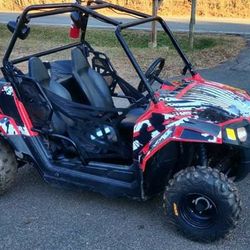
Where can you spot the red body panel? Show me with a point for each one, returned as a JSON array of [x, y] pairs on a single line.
[[187, 113], [10, 104]]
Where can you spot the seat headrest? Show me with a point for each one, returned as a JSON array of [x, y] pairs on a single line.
[[79, 61], [38, 71]]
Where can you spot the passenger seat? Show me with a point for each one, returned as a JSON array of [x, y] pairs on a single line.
[[39, 73]]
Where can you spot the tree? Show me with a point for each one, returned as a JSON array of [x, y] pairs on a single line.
[[192, 23]]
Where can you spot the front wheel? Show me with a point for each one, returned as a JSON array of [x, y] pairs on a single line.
[[202, 203]]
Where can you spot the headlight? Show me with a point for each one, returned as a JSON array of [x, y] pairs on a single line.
[[242, 134]]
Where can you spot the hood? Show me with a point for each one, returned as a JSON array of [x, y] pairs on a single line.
[[208, 100]]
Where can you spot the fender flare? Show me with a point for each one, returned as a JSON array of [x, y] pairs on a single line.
[[195, 132]]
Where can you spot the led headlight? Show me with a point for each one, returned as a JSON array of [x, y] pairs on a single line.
[[242, 134]]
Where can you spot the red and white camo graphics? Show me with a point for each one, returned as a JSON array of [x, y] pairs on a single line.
[[193, 110], [8, 124]]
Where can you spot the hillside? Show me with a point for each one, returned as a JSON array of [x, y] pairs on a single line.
[[216, 8]]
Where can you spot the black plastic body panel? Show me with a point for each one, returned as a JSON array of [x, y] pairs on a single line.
[[244, 168], [107, 179]]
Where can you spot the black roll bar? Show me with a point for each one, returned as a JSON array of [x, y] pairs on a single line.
[[47, 52], [90, 10], [60, 9], [169, 33], [134, 62]]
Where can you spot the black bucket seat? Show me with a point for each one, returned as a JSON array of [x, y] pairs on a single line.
[[96, 89], [39, 73]]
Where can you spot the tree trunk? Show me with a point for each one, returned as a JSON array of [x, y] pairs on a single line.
[[192, 23], [153, 42]]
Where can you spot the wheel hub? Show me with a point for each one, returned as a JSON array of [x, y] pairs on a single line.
[[202, 204], [198, 210]]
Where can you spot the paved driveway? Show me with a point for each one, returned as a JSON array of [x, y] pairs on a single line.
[[38, 216], [230, 26]]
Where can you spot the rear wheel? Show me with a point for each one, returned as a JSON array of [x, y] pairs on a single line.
[[8, 167], [202, 203]]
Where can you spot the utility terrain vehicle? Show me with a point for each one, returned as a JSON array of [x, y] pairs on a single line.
[[188, 139]]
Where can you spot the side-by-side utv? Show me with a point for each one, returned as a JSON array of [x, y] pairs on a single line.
[[188, 139]]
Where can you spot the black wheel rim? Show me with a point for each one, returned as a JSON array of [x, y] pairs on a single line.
[[198, 210]]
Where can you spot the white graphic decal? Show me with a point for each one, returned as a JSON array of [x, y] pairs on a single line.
[[7, 127], [8, 90]]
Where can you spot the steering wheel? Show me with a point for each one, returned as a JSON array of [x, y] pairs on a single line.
[[152, 73]]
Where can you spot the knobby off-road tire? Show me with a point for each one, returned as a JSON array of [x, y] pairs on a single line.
[[8, 167], [202, 203]]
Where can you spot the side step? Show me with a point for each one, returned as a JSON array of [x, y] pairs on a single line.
[[107, 179]]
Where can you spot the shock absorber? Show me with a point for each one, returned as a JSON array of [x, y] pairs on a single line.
[[202, 155]]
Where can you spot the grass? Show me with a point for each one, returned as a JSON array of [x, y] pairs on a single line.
[[106, 38], [209, 50]]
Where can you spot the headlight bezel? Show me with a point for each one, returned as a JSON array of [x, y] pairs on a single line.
[[237, 133]]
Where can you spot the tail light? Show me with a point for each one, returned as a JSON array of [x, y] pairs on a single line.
[[74, 31]]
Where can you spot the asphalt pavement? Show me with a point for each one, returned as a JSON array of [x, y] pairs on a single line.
[[228, 26], [35, 215]]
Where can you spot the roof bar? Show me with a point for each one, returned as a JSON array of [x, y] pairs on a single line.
[[49, 13], [119, 8], [69, 7], [47, 52]]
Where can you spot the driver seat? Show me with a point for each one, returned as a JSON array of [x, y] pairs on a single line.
[[91, 82], [96, 89]]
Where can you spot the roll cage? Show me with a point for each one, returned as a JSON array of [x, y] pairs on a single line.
[[90, 10]]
